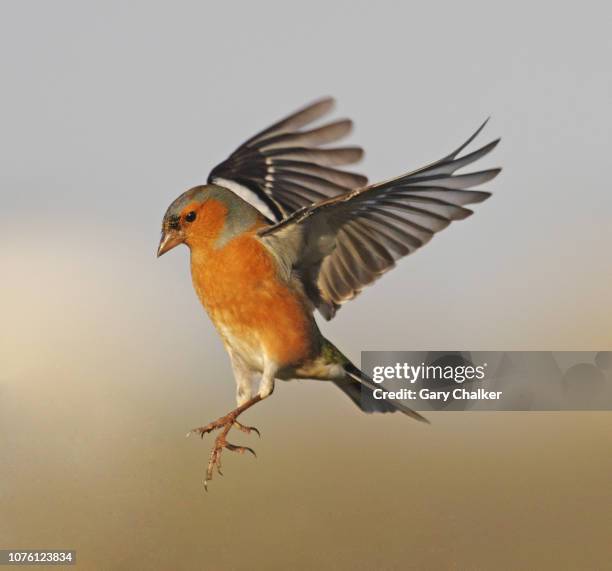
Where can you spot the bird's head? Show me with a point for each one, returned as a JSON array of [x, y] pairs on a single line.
[[207, 214]]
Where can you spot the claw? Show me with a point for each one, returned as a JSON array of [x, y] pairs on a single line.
[[202, 430], [247, 429], [240, 449]]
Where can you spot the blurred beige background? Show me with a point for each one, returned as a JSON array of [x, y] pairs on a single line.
[[109, 110]]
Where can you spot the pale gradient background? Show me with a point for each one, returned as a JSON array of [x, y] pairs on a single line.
[[108, 110]]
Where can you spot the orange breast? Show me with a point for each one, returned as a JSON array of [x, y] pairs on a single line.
[[239, 287]]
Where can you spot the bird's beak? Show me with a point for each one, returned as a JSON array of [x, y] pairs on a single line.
[[168, 241]]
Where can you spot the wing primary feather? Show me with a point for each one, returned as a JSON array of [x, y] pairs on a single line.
[[457, 180], [324, 157], [319, 136], [464, 145], [346, 179], [451, 166], [307, 114]]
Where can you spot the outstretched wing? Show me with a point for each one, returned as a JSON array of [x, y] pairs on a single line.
[[340, 245], [283, 168]]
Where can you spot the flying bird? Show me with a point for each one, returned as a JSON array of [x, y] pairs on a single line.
[[280, 231]]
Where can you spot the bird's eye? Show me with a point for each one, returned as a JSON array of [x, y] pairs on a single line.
[[190, 216]]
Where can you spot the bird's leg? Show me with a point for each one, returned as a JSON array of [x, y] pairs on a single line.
[[244, 386], [225, 423]]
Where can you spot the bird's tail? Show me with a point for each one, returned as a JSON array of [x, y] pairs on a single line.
[[359, 387]]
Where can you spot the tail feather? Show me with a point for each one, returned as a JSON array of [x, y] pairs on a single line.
[[359, 388]]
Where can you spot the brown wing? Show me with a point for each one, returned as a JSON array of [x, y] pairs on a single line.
[[283, 168], [343, 244]]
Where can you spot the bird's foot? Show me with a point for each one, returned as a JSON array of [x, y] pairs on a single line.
[[225, 424], [214, 460]]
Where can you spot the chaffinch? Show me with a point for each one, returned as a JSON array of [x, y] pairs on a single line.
[[280, 231]]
